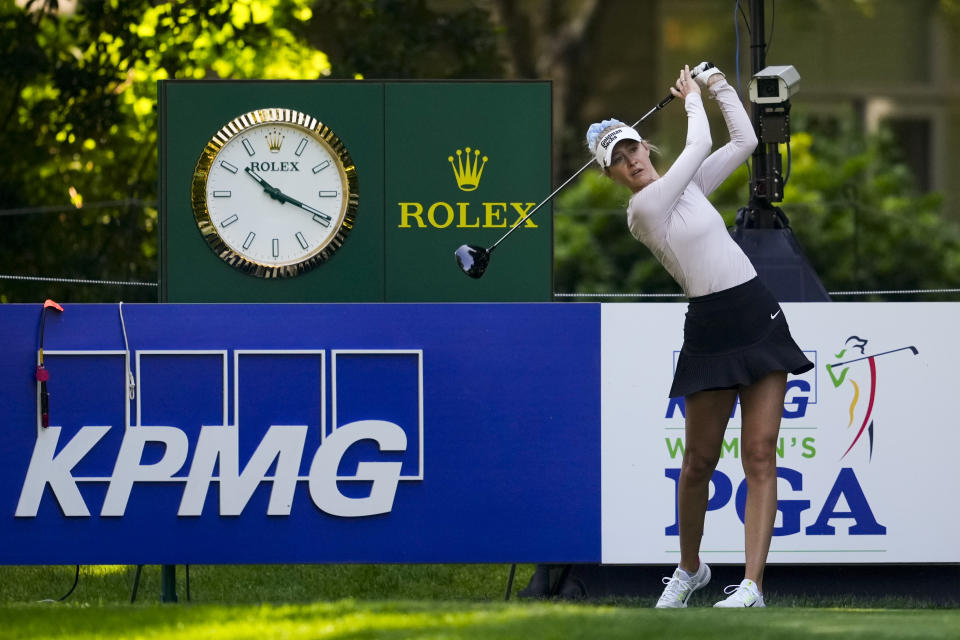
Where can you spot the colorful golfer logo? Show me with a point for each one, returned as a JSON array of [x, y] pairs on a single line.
[[857, 345], [467, 170]]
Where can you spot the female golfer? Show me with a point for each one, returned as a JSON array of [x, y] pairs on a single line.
[[735, 338]]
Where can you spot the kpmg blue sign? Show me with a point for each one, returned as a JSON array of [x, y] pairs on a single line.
[[301, 433]]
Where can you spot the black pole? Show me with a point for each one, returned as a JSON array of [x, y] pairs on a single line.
[[766, 185], [136, 583], [758, 45], [168, 583], [762, 230], [758, 58], [763, 184], [513, 572]]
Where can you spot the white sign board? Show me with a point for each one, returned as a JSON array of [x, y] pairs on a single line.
[[867, 452]]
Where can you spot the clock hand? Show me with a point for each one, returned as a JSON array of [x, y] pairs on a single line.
[[324, 218], [268, 188], [281, 197]]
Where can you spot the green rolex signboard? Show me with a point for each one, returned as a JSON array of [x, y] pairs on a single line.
[[352, 191], [463, 163]]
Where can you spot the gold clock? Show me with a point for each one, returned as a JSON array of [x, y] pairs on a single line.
[[274, 193]]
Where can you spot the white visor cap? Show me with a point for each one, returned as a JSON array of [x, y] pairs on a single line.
[[606, 144]]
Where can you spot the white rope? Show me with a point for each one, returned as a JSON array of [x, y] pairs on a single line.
[[131, 381], [128, 283], [64, 208], [878, 292], [78, 281], [891, 292], [618, 295]]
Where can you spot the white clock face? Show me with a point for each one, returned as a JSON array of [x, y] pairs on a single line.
[[276, 193]]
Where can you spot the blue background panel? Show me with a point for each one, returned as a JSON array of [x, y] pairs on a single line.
[[181, 390], [380, 386], [280, 389], [511, 410]]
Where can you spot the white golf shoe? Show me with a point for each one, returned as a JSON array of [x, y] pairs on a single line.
[[681, 585], [744, 594]]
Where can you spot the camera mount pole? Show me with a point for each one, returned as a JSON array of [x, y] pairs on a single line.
[[766, 185], [762, 230]]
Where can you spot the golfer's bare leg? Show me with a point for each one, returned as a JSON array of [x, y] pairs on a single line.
[[707, 414], [761, 405]]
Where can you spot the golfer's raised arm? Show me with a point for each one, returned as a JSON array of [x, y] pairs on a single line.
[[659, 197], [743, 140]]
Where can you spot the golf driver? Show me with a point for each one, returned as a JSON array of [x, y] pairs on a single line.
[[474, 259]]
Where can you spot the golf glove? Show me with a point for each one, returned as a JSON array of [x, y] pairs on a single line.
[[702, 72]]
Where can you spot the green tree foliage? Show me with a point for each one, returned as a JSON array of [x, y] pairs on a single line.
[[78, 121], [853, 206], [593, 249], [78, 107], [406, 39], [862, 221]]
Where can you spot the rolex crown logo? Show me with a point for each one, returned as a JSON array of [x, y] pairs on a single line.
[[274, 141], [467, 171]]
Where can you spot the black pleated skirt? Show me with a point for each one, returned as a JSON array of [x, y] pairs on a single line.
[[733, 338]]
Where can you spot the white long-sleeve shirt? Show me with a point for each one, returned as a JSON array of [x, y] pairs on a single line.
[[672, 215]]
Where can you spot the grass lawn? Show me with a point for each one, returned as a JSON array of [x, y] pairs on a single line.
[[395, 602], [257, 584], [494, 621]]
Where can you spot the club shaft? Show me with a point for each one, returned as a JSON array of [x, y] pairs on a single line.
[[534, 210], [913, 349], [659, 106]]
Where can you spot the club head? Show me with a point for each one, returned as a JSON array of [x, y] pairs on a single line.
[[473, 260]]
